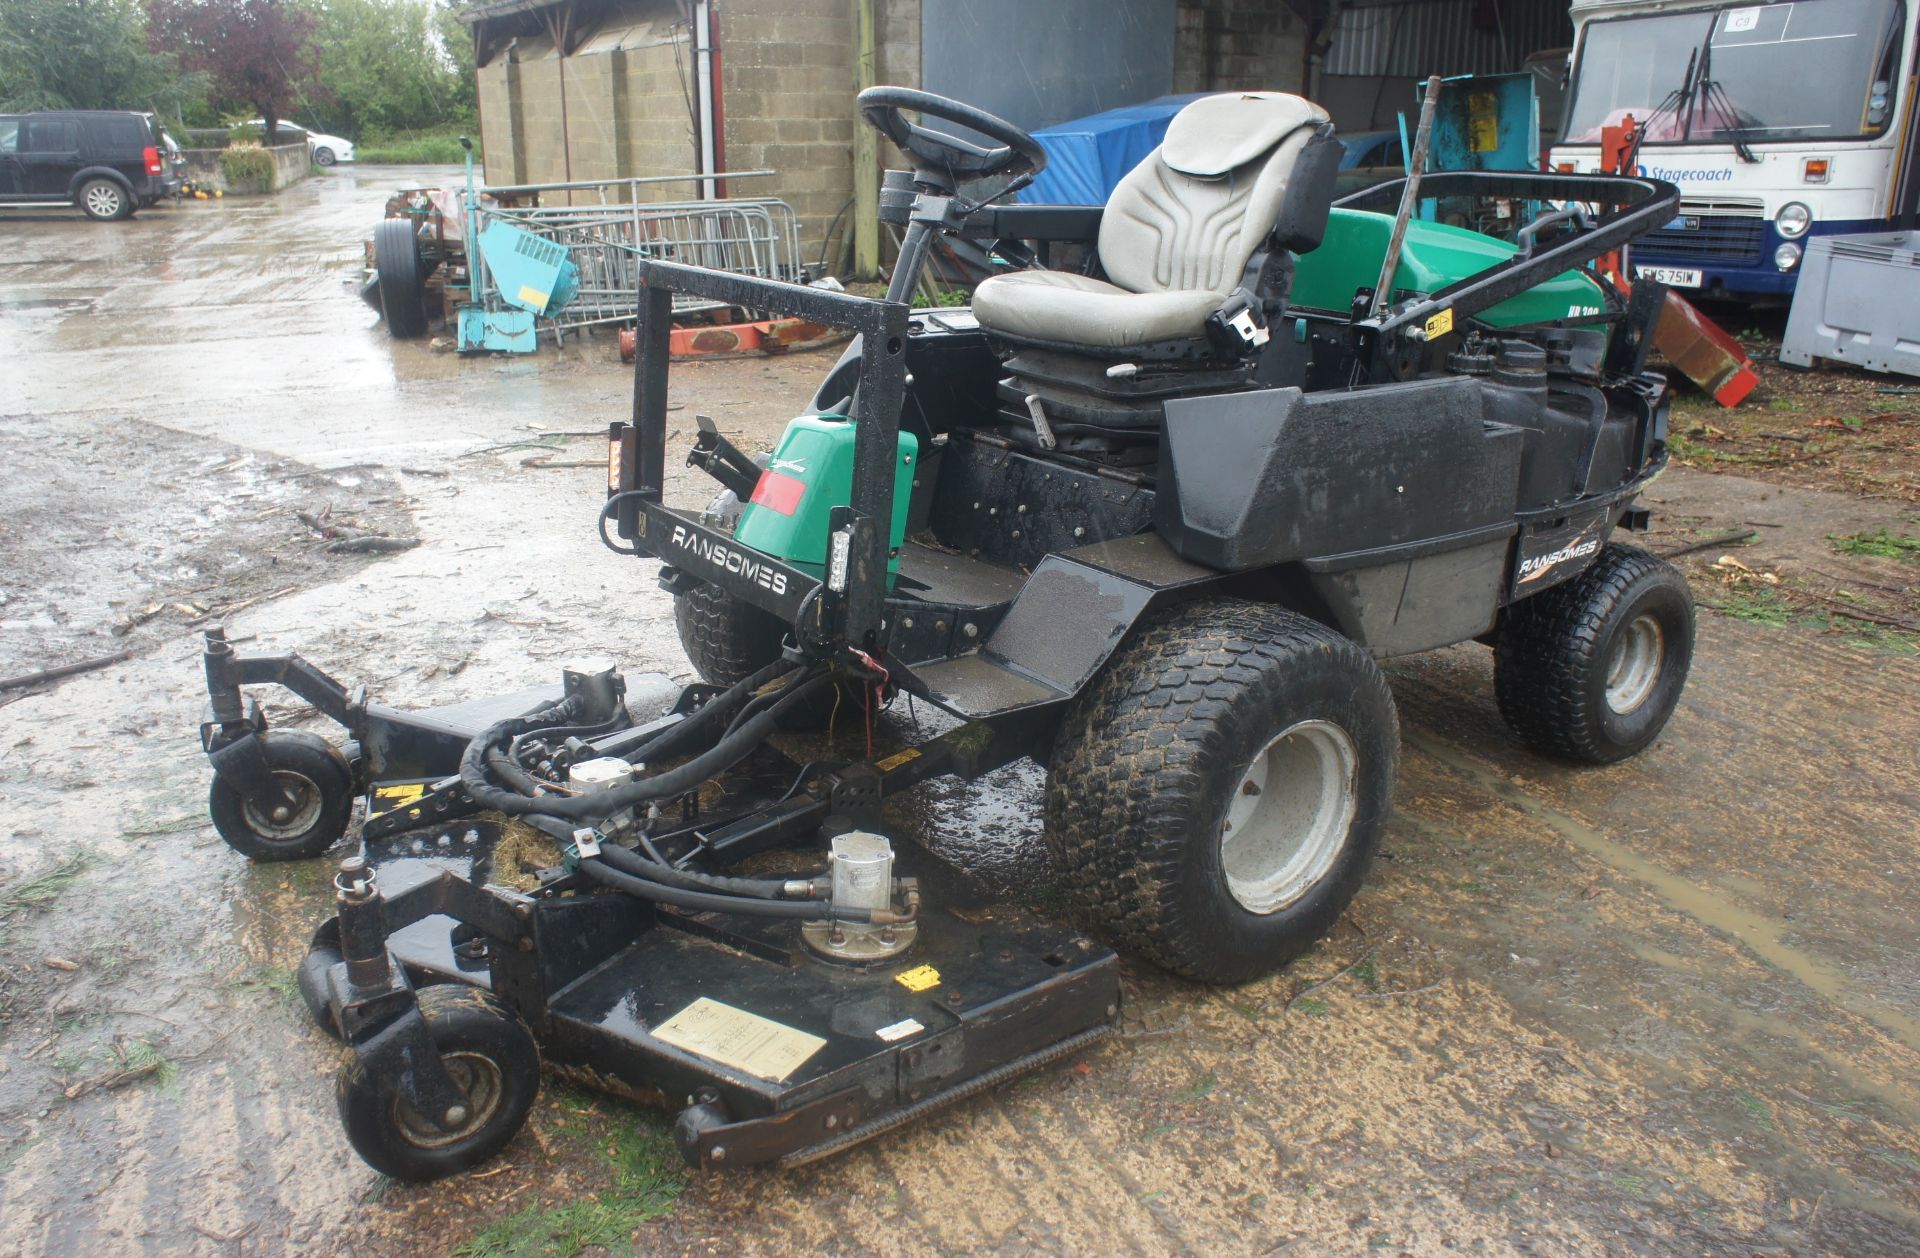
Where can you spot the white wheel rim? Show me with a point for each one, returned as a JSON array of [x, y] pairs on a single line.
[[1287, 822], [1636, 663], [479, 1078], [295, 816], [103, 200]]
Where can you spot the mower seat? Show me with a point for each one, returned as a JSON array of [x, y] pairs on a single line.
[[1181, 227]]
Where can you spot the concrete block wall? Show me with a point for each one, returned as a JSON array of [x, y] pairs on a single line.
[[1238, 45], [787, 77]]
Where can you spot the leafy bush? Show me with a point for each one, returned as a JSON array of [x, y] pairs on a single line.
[[247, 168]]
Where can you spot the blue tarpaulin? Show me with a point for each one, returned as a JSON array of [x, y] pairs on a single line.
[[1087, 157]]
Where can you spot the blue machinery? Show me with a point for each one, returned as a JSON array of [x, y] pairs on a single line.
[[513, 276]]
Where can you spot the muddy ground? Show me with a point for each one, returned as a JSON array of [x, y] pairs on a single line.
[[1670, 1006]]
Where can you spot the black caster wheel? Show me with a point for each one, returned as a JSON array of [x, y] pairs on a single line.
[[491, 1056], [311, 977], [317, 799]]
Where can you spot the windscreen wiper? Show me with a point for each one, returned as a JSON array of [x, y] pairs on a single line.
[[1709, 91], [1679, 98]]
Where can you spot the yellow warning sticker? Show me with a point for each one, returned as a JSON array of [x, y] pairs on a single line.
[[531, 296], [919, 979], [895, 761], [1440, 324], [398, 795], [733, 1037]]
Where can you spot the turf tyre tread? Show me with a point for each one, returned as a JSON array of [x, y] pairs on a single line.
[[1137, 766], [1551, 652]]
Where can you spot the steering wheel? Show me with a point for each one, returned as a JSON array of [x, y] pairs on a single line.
[[1018, 153]]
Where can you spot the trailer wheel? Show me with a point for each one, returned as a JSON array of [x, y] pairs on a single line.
[[318, 789], [1216, 795], [402, 276], [1591, 669], [491, 1056]]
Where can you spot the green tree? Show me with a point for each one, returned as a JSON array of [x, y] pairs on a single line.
[[391, 65], [86, 54], [255, 53]]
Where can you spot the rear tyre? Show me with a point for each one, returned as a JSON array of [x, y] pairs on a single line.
[[1591, 669], [316, 785], [103, 200], [728, 640], [403, 277], [1216, 796], [491, 1056]]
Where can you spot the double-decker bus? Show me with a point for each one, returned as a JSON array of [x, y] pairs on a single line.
[[1778, 122]]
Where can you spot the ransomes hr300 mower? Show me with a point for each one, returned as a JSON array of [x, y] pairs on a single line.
[[1148, 513]]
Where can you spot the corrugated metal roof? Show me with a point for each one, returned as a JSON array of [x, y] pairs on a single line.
[[1411, 40]]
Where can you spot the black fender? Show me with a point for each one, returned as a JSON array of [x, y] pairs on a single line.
[[90, 173]]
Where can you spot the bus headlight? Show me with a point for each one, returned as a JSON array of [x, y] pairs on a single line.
[[1787, 257], [1793, 220]]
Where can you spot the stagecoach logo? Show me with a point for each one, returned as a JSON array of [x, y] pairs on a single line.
[[720, 555], [1579, 548]]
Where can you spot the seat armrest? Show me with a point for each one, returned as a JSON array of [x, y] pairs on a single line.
[[1037, 222], [1302, 219]]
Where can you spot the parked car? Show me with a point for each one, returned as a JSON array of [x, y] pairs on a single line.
[[325, 149], [108, 162]]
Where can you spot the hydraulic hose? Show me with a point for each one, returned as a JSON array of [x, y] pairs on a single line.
[[729, 750], [630, 862], [606, 875]]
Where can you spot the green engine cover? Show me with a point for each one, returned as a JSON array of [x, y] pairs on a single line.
[[1433, 256], [811, 473]]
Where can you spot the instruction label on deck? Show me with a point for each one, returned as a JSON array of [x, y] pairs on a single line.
[[733, 1037]]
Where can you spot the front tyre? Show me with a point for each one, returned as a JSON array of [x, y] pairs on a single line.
[[1216, 796], [323, 156], [1591, 669], [492, 1058]]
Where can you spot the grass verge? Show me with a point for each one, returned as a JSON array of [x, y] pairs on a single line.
[[418, 148]]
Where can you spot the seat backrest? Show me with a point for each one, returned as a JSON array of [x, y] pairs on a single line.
[[1190, 215]]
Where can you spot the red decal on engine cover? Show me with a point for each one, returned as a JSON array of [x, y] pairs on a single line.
[[779, 493]]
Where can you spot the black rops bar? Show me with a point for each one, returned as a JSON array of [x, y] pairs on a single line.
[[882, 327], [1641, 206]]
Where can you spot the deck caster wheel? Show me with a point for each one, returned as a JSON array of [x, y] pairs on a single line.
[[316, 787], [1216, 795], [311, 978], [492, 1058], [1591, 669]]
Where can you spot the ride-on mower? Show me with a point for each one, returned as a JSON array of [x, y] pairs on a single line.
[[1147, 513]]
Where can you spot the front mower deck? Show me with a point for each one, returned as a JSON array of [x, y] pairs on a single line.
[[792, 1056]]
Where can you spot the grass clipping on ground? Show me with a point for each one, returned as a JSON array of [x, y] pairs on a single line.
[[1883, 617], [647, 1176]]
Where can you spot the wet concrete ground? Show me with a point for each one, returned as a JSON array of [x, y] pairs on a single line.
[[1670, 1006]]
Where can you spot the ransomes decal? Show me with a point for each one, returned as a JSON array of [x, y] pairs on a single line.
[[1534, 567], [741, 563]]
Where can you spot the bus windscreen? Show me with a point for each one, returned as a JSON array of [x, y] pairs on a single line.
[[1811, 70]]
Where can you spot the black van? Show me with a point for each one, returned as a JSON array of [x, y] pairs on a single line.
[[108, 162]]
